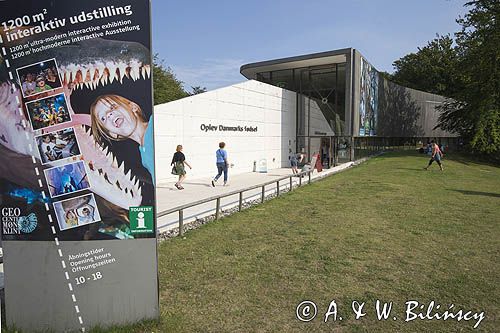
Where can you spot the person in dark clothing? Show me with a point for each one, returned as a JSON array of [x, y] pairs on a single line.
[[179, 162]]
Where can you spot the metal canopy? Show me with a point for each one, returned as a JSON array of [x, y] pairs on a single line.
[[309, 60]]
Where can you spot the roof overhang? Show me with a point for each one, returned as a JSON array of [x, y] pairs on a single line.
[[303, 61]]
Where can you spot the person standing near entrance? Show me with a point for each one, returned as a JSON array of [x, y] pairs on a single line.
[[222, 163], [295, 159], [436, 156], [179, 162]]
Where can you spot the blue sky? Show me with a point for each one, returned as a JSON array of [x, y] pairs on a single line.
[[206, 42]]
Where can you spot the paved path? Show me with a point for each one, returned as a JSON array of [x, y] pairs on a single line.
[[197, 189]]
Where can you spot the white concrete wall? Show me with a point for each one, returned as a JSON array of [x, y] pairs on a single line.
[[250, 103]]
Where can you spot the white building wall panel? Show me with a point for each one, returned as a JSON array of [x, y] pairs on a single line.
[[253, 104]]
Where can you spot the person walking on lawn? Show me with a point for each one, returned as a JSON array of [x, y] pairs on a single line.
[[435, 156]]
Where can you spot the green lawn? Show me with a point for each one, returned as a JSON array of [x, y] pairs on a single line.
[[383, 230]]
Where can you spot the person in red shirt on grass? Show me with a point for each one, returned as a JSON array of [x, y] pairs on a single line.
[[436, 156]]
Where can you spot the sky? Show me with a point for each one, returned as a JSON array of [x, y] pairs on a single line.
[[205, 42]]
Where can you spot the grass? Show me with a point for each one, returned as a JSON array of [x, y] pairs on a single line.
[[383, 230]]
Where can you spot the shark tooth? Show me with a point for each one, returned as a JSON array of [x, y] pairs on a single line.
[[137, 183], [121, 167], [127, 72], [118, 74], [71, 72], [134, 73], [65, 80], [106, 178], [128, 175], [112, 71], [97, 74], [113, 76], [123, 71], [134, 182], [88, 74], [101, 69], [134, 69], [74, 74]]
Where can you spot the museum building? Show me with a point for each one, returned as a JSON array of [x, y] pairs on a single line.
[[335, 104]]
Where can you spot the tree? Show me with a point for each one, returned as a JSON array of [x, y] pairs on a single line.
[[475, 111], [198, 90], [166, 86], [467, 70], [433, 68]]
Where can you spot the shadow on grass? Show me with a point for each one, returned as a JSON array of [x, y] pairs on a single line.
[[390, 153], [470, 159], [458, 157], [421, 168], [486, 194]]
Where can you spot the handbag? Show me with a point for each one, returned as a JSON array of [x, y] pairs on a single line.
[[174, 170]]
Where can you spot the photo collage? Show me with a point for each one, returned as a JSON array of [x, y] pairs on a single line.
[[58, 149]]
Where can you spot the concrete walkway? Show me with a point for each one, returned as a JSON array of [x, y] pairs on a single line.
[[169, 197]]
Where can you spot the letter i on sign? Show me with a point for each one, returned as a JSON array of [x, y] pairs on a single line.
[[140, 220]]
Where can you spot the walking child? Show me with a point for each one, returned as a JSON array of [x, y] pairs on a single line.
[[435, 156], [295, 159]]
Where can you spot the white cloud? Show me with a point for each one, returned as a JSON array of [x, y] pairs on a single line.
[[211, 73]]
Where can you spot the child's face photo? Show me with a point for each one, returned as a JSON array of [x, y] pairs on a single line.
[[116, 119]]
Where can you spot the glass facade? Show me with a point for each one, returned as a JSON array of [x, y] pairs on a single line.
[[323, 88], [321, 109], [345, 109]]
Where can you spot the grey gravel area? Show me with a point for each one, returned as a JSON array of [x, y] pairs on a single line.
[[226, 212]]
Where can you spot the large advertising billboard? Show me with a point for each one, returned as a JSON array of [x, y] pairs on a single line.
[[77, 167]]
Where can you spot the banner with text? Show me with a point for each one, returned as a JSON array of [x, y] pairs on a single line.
[[77, 169]]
